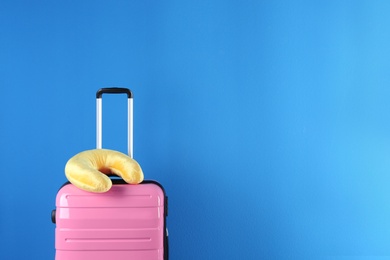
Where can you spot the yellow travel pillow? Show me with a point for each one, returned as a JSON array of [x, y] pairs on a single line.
[[87, 170]]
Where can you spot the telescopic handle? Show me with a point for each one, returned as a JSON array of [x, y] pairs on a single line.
[[102, 91], [99, 95]]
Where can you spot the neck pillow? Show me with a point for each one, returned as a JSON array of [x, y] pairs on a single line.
[[88, 170]]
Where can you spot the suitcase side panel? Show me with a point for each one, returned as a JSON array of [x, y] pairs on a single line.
[[127, 220]]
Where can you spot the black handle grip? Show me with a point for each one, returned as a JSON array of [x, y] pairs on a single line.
[[115, 90]]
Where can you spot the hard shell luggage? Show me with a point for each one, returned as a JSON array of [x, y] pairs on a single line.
[[126, 223]]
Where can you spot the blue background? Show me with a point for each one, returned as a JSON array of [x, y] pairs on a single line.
[[266, 121]]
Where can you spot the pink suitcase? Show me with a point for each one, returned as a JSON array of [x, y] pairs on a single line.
[[126, 223]]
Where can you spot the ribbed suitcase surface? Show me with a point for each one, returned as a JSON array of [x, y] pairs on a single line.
[[127, 222]]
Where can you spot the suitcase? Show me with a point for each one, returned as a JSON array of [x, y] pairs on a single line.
[[126, 223]]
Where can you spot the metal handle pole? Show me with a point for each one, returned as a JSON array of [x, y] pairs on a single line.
[[99, 134]]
